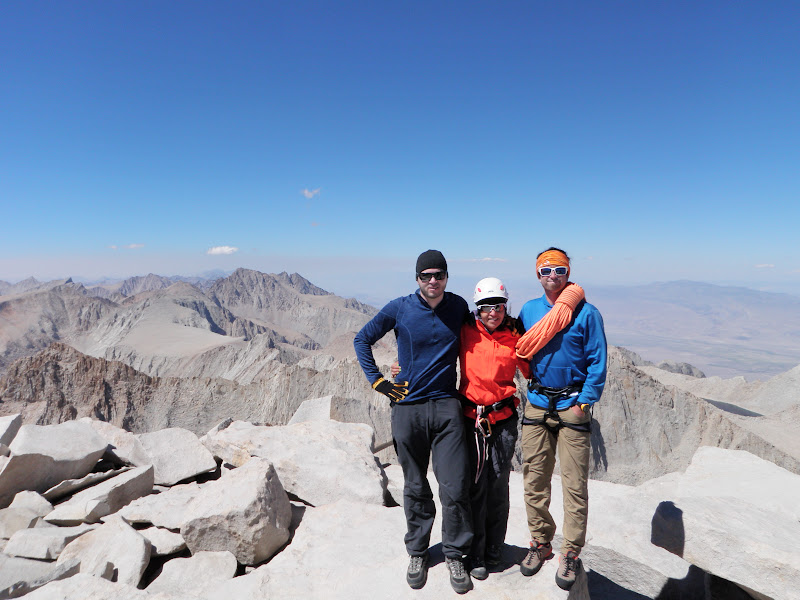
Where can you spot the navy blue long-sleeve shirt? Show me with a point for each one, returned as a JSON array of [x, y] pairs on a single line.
[[427, 343]]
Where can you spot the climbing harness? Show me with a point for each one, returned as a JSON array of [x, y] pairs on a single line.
[[553, 395], [483, 429]]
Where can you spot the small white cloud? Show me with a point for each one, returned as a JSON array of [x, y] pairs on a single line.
[[765, 266], [126, 246], [486, 259], [222, 250], [310, 193]]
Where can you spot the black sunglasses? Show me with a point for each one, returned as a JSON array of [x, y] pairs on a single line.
[[438, 276]]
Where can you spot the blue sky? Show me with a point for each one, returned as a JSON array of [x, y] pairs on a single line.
[[653, 141]]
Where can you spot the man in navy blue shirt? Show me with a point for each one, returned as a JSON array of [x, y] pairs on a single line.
[[426, 414]]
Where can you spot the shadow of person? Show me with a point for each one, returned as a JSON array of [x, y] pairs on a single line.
[[599, 458], [510, 556], [667, 529], [435, 555]]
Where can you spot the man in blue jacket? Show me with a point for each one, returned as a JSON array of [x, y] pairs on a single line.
[[426, 414], [567, 378]]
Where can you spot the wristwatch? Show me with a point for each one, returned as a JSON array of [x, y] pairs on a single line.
[[585, 407]]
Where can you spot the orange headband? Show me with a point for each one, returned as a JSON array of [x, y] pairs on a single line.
[[552, 258]]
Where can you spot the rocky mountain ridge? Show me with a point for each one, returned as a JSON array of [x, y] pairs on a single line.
[[642, 428], [160, 324]]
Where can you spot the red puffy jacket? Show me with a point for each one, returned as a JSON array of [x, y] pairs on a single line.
[[488, 365]]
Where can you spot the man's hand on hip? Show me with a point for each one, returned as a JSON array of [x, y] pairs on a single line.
[[578, 410], [394, 391]]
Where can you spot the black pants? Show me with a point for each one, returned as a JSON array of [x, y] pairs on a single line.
[[489, 494], [434, 427]]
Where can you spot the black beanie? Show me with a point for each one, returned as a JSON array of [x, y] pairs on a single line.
[[431, 259]]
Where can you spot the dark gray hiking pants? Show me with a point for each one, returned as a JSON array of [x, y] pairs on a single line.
[[422, 429]]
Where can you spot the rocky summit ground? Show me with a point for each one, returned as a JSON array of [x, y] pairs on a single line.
[[305, 511]]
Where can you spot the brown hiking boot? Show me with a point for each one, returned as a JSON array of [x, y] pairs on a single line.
[[537, 554], [568, 566]]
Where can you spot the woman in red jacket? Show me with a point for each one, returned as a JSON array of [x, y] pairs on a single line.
[[489, 364]]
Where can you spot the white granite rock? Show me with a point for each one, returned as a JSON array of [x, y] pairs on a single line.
[[726, 499], [29, 583], [194, 575], [44, 455], [44, 543], [375, 412], [91, 504], [318, 461], [14, 570], [123, 446], [71, 486], [766, 559], [167, 509], [13, 520], [113, 542], [246, 512], [163, 542], [9, 426], [32, 501], [719, 472], [88, 587], [176, 454]]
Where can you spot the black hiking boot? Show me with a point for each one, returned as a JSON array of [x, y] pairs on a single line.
[[459, 578], [417, 573]]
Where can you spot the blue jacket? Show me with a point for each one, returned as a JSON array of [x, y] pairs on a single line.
[[576, 354], [427, 343]]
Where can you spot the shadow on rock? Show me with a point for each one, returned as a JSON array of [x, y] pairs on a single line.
[[691, 587], [598, 448], [666, 528], [602, 588]]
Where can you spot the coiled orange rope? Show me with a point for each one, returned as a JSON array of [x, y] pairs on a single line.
[[554, 321]]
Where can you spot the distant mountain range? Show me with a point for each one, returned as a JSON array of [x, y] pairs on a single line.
[[725, 331], [720, 330]]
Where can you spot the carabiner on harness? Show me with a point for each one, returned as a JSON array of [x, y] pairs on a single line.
[[483, 430], [483, 426]]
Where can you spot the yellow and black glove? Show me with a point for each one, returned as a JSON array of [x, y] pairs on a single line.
[[394, 391]]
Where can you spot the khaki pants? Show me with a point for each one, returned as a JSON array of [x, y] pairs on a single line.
[[539, 448]]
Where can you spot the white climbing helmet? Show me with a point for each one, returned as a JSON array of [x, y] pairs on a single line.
[[490, 288]]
